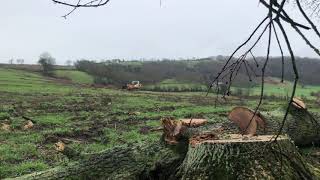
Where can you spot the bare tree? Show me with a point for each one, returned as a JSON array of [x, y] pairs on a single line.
[[11, 61], [20, 61]]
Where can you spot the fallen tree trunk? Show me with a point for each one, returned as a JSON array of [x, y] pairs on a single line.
[[197, 153], [230, 157], [154, 161], [301, 126]]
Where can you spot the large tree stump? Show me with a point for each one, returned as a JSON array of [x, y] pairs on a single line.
[[244, 158], [301, 126], [229, 158]]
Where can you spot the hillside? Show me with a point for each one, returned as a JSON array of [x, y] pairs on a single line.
[[201, 71], [89, 120], [75, 76]]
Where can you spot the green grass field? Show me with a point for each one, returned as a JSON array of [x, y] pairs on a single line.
[[75, 76], [92, 119], [171, 85]]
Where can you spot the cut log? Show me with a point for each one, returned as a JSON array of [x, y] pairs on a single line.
[[249, 158], [246, 120], [193, 122], [173, 130], [229, 158], [302, 126], [153, 161], [298, 103], [197, 153]]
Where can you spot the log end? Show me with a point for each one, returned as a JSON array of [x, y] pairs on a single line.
[[210, 138]]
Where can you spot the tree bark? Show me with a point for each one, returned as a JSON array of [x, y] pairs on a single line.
[[255, 158], [201, 153], [154, 161], [227, 158], [301, 126]]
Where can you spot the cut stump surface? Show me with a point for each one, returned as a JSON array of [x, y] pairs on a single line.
[[243, 157]]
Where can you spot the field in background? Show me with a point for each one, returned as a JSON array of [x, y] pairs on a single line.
[[75, 76], [93, 119], [172, 85]]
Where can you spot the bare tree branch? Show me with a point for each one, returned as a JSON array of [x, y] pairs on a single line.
[[281, 51], [288, 20], [75, 6], [307, 18], [294, 66]]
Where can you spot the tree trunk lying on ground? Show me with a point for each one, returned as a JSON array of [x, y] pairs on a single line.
[[202, 153], [301, 126], [205, 157], [305, 127], [128, 162]]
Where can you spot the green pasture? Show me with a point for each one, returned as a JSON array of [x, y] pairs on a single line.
[[89, 119], [75, 76]]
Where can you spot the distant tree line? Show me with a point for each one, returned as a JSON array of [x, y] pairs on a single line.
[[18, 61], [197, 71]]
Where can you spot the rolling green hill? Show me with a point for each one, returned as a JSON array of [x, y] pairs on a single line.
[[89, 119], [75, 76]]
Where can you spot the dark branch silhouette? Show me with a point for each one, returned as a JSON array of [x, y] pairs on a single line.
[[81, 4]]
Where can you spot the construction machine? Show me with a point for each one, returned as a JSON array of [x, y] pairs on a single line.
[[133, 85]]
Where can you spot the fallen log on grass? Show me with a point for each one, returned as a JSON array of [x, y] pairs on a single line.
[[151, 161], [196, 155], [301, 126]]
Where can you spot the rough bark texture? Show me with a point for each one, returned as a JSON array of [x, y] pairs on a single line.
[[225, 158], [154, 161], [308, 132], [301, 126], [247, 159], [212, 159]]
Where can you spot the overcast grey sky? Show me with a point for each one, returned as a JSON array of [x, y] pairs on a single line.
[[130, 29]]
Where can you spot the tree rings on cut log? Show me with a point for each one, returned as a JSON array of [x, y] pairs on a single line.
[[238, 138], [202, 137], [238, 157], [298, 103], [246, 120], [193, 122]]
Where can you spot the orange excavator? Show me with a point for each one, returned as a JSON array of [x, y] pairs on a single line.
[[134, 85]]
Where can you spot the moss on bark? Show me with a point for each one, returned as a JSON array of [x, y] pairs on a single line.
[[228, 159], [244, 160]]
